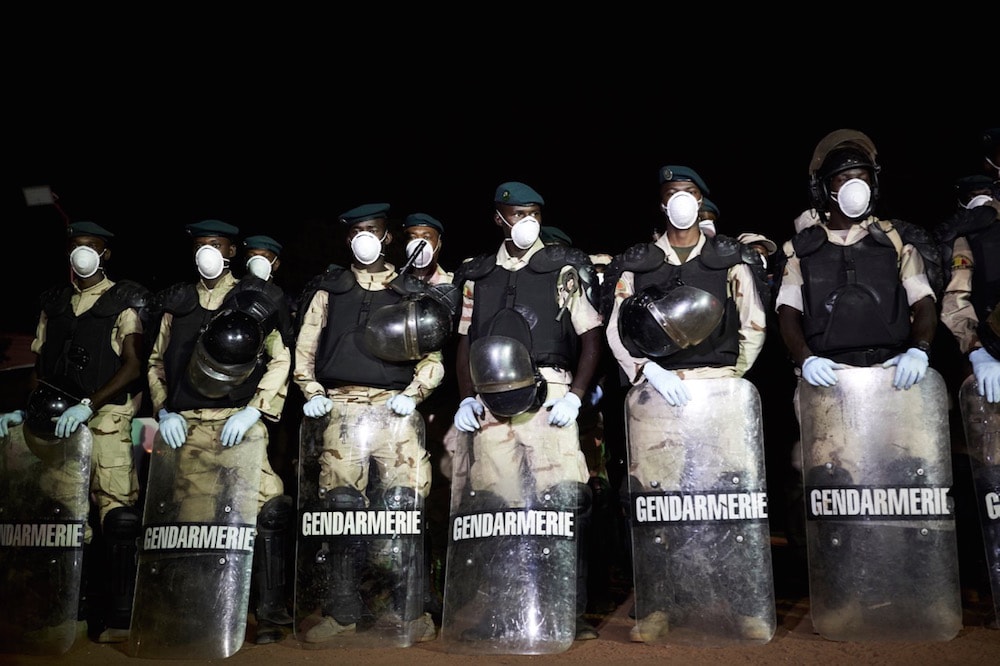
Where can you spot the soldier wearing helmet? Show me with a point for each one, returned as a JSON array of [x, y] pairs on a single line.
[[682, 309], [368, 353], [220, 364]]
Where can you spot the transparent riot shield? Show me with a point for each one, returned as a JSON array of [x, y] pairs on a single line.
[[880, 526], [510, 580], [698, 504], [44, 502], [360, 576], [982, 435], [196, 547]]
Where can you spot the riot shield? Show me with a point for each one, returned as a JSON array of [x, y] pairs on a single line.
[[982, 435], [359, 562], [510, 580], [44, 502], [196, 547], [701, 547], [880, 526]]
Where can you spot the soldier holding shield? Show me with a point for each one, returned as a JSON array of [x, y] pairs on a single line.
[[89, 342], [857, 313], [686, 322], [220, 363], [528, 348], [367, 352]]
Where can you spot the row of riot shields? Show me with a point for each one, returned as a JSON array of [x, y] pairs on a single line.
[[880, 533]]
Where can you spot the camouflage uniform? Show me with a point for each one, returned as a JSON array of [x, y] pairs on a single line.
[[114, 482], [402, 461], [501, 447], [202, 454]]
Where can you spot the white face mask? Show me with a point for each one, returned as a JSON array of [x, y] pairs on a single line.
[[367, 247], [978, 200], [210, 262], [682, 209], [259, 265], [524, 232], [426, 255], [85, 261], [707, 227], [853, 197]]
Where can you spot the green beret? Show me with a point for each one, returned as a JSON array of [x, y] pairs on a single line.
[[709, 206], [87, 228], [966, 185], [517, 194], [673, 172], [365, 212], [422, 220], [262, 243], [550, 235], [213, 228]]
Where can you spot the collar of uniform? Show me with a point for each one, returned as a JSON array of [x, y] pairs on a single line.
[[504, 260], [374, 281], [225, 283], [103, 285], [664, 244]]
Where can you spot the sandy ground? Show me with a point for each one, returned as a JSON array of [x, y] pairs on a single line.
[[794, 642]]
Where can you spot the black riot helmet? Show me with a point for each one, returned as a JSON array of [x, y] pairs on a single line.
[[655, 323], [418, 324], [226, 353], [505, 376], [839, 151], [45, 405]]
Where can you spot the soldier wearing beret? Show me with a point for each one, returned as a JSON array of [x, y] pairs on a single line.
[[220, 364], [419, 227], [361, 386], [263, 255], [647, 274], [424, 234], [531, 293], [90, 345], [707, 215]]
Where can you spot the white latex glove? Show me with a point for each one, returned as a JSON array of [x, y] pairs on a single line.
[[317, 406], [402, 404], [9, 419], [667, 383], [71, 419], [910, 367], [173, 429], [819, 371], [238, 424], [564, 410], [469, 412], [987, 372]]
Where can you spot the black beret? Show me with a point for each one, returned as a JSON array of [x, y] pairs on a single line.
[[262, 243], [422, 220], [213, 228], [364, 212], [517, 194], [673, 172], [554, 235], [87, 228]]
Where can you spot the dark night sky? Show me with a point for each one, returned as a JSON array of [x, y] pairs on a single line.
[[148, 138]]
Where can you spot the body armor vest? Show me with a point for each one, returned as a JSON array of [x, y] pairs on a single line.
[[342, 356], [708, 271], [854, 305]]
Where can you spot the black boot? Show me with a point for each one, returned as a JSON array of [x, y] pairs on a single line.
[[120, 532], [270, 564]]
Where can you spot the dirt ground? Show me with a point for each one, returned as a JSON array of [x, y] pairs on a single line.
[[794, 642]]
